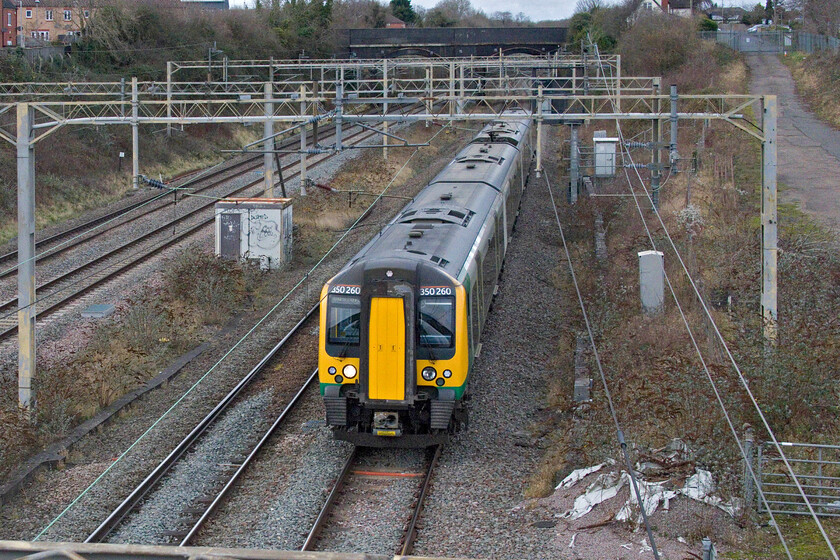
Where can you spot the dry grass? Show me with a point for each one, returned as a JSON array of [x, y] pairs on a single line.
[[192, 295], [175, 313], [658, 384], [77, 169], [817, 78]]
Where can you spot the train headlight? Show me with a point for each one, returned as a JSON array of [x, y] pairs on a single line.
[[447, 373], [349, 371], [331, 370], [429, 373]]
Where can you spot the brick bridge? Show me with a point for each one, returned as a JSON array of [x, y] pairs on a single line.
[[448, 41]]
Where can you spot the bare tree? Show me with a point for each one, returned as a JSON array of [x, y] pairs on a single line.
[[587, 6], [822, 16]]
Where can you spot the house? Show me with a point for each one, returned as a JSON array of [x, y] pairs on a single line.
[[52, 20], [682, 8], [649, 7], [687, 8], [8, 24], [208, 4], [393, 22], [733, 14]]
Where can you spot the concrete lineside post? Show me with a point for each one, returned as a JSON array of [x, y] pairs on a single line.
[[26, 254], [652, 281], [769, 223], [574, 165], [749, 443], [709, 552], [385, 108], [302, 143], [268, 145], [168, 97], [538, 170], [135, 135]]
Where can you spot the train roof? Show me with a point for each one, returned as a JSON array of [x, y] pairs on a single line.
[[506, 131], [479, 161], [438, 229]]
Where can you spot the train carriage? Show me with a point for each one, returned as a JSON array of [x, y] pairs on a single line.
[[400, 324]]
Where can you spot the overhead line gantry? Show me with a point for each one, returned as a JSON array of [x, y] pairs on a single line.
[[560, 89]]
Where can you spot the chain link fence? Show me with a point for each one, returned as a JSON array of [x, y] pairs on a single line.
[[777, 41]]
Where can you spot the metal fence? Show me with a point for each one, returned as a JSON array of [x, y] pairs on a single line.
[[817, 467], [773, 41]]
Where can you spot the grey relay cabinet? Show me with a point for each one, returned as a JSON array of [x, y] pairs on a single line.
[[255, 228]]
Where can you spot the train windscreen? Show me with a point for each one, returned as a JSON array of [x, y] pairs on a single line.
[[437, 322], [343, 319]]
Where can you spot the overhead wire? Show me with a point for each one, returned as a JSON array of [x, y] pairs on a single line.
[[107, 222], [607, 393], [234, 347], [626, 154]]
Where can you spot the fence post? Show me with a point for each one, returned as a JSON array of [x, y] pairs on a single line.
[[709, 552], [749, 444]]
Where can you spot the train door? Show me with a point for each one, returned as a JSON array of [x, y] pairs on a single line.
[[386, 349]]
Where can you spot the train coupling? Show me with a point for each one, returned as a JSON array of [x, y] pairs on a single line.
[[386, 424]]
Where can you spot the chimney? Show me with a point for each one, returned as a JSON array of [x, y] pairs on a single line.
[[665, 6]]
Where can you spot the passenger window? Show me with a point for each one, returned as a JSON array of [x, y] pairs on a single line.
[[343, 318], [489, 272]]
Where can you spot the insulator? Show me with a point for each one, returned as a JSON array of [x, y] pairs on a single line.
[[153, 182]]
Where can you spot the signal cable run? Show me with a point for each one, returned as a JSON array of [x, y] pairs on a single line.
[[619, 431], [626, 155]]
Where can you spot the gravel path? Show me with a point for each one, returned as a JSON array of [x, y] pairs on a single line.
[[808, 149]]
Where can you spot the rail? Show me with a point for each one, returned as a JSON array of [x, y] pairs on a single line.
[[135, 497]]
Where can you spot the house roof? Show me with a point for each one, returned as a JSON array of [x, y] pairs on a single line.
[[390, 18], [732, 11], [70, 4], [683, 4]]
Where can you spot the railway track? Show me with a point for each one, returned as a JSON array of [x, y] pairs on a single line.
[[237, 165], [359, 487], [42, 246], [197, 513], [58, 292], [148, 204]]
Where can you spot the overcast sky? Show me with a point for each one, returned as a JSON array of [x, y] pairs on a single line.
[[535, 9]]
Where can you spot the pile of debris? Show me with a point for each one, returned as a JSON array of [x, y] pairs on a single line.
[[662, 475]]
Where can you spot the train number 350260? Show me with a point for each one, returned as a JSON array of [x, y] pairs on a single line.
[[436, 291], [351, 290]]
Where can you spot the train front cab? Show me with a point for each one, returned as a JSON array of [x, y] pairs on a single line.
[[411, 374]]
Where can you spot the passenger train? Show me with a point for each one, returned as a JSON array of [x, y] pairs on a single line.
[[401, 323]]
